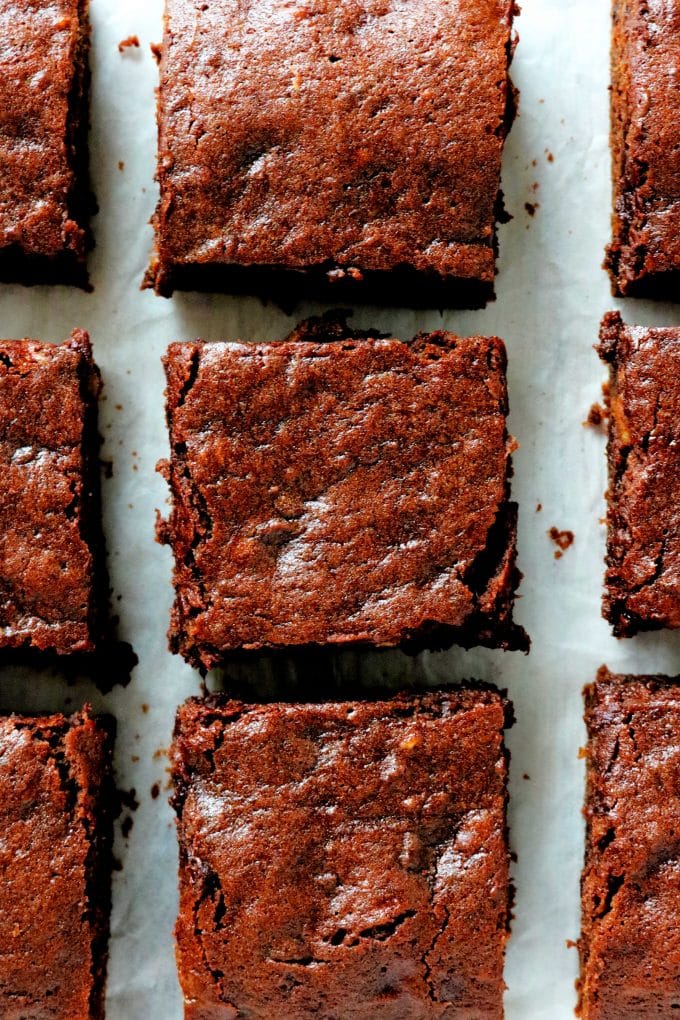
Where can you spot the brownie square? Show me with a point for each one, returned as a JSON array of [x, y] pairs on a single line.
[[349, 149], [354, 491], [44, 189], [630, 944], [56, 819], [52, 575], [644, 256], [643, 548], [343, 860]]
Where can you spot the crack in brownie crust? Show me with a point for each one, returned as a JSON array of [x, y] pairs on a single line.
[[644, 257], [643, 549], [352, 491], [52, 574], [344, 140], [343, 860], [56, 818], [630, 944], [44, 189]]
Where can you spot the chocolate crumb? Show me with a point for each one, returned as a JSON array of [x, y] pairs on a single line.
[[597, 416], [156, 50], [563, 539], [539, 507], [155, 791], [126, 44], [531, 207], [126, 827]]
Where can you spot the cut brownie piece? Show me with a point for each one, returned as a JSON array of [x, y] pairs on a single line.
[[630, 945], [643, 550], [44, 189], [354, 491], [349, 148], [56, 819], [52, 578], [644, 257], [343, 860]]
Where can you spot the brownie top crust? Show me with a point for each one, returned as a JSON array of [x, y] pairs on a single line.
[[343, 860], [48, 458], [346, 135], [43, 60], [644, 257], [631, 884], [643, 557], [55, 820], [351, 491]]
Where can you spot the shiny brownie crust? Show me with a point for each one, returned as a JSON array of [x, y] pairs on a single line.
[[343, 860], [56, 818], [631, 883], [644, 256], [349, 148], [45, 200], [348, 492], [643, 549]]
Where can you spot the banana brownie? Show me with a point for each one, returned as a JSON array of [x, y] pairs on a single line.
[[56, 818], [630, 944], [53, 588], [343, 859], [643, 549], [44, 188], [644, 256], [349, 491], [351, 148]]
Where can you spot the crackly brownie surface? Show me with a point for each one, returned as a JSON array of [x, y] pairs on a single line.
[[56, 799], [44, 192], [345, 138], [51, 584], [643, 550], [351, 491], [644, 257], [343, 860], [631, 884]]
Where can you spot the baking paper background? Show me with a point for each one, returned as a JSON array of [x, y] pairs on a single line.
[[551, 296]]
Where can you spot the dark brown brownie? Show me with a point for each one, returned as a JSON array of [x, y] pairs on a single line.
[[56, 820], [354, 491], [644, 257], [349, 148], [630, 945], [52, 576], [44, 189], [343, 860], [643, 549]]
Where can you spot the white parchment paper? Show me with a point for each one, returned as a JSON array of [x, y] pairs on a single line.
[[551, 296]]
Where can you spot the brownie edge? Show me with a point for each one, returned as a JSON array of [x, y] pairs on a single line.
[[343, 859], [642, 580], [630, 941], [57, 804]]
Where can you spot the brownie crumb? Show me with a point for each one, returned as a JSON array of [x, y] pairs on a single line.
[[597, 416], [121, 165], [539, 507], [126, 826], [155, 791], [549, 156], [531, 207], [132, 41], [156, 51], [563, 539]]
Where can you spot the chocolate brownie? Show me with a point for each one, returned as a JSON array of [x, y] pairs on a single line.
[[643, 549], [343, 860], [52, 575], [44, 189], [630, 945], [349, 148], [644, 256], [353, 491], [56, 819]]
